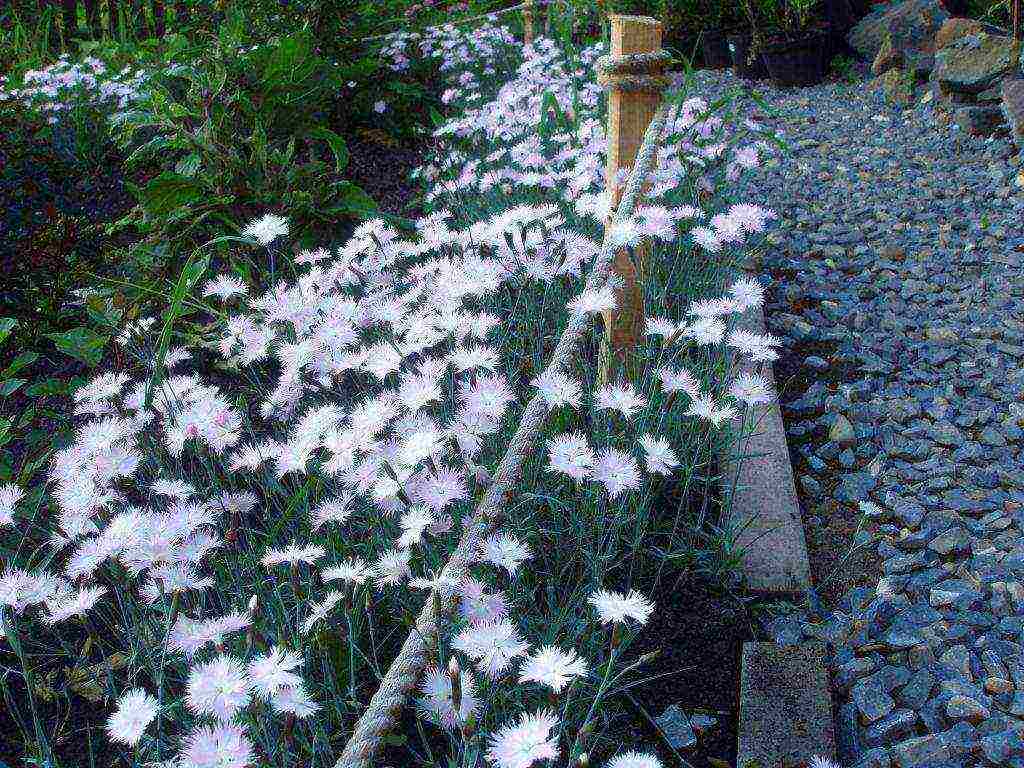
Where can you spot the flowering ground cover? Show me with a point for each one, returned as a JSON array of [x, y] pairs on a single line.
[[243, 525]]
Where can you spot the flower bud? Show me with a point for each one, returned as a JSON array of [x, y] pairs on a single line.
[[253, 602], [455, 675], [583, 760]]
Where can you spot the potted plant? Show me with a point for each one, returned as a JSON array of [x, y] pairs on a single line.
[[794, 41], [683, 21], [745, 47], [721, 18]]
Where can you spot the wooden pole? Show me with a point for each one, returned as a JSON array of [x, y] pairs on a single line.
[[630, 111], [1016, 19], [528, 22]]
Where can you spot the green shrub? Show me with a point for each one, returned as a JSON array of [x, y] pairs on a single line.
[[241, 131]]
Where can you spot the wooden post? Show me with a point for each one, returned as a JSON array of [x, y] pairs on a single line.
[[1016, 20], [630, 111], [528, 22]]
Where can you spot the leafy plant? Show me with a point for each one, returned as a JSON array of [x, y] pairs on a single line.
[[241, 130]]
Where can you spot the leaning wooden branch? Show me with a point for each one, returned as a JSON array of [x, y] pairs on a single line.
[[384, 708]]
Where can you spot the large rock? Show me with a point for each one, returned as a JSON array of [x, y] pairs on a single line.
[[955, 28], [980, 121], [909, 24], [974, 63], [1013, 109]]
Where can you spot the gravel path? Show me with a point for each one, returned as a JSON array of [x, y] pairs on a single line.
[[895, 274]]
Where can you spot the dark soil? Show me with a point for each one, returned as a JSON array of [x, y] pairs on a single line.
[[830, 527]]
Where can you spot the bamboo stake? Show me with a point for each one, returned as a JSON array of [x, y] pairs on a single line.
[[629, 113], [1017, 20], [528, 22]]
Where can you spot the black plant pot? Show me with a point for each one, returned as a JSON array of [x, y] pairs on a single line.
[[798, 60], [716, 50], [745, 63]]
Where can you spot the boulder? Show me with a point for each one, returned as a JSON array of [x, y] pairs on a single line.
[[897, 86], [979, 121], [911, 24], [1013, 109], [955, 28], [974, 63]]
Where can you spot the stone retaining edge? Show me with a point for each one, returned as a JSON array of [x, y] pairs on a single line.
[[785, 702]]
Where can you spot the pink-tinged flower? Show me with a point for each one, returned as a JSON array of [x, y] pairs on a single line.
[[293, 555], [680, 380], [492, 646], [706, 408], [751, 218], [294, 700], [10, 495], [634, 760], [617, 471], [751, 389], [619, 397], [135, 711], [558, 389], [219, 687], [272, 671], [224, 287], [321, 610], [746, 293], [658, 455], [593, 301], [571, 455], [525, 742], [657, 221], [392, 567], [552, 667], [660, 326], [478, 606], [820, 761], [504, 551], [706, 238], [615, 608], [266, 229], [436, 700], [224, 745], [353, 570], [71, 604], [706, 331]]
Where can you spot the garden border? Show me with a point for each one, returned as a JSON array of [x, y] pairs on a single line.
[[785, 699]]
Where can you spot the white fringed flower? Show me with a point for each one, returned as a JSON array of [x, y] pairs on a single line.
[[136, 709], [552, 667], [615, 607], [525, 742], [266, 229]]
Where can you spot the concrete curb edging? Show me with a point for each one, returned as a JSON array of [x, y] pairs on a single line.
[[785, 703], [760, 493]]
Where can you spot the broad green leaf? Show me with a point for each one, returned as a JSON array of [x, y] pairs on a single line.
[[10, 386], [81, 343], [352, 199], [168, 192], [47, 388], [337, 145], [6, 326], [21, 361], [436, 118]]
